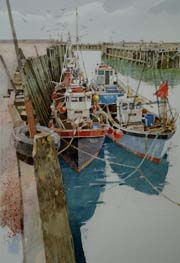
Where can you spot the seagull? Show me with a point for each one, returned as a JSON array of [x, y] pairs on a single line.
[[25, 21]]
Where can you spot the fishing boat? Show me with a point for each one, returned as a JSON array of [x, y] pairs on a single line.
[[146, 134], [82, 133], [106, 84]]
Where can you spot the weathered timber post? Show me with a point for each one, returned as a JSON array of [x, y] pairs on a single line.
[[57, 237], [8, 74], [14, 34]]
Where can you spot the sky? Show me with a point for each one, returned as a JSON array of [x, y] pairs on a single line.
[[100, 20]]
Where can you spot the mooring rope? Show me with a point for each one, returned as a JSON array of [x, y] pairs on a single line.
[[137, 169], [145, 156]]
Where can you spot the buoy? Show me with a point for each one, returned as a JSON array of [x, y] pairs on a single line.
[[93, 107], [61, 108], [110, 130], [77, 89], [54, 95], [117, 134], [95, 98]]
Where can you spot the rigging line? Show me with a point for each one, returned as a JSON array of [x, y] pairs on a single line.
[[160, 73], [83, 63], [157, 99], [136, 94], [100, 159], [65, 60], [69, 144], [170, 109], [142, 161], [159, 192], [133, 167]]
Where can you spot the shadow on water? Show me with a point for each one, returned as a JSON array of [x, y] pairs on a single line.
[[82, 194], [152, 76], [83, 189], [151, 173]]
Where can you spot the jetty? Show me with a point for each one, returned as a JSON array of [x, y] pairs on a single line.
[[33, 210], [154, 54]]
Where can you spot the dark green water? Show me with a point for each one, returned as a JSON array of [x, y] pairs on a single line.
[[151, 76]]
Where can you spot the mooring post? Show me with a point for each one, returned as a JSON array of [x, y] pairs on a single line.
[[57, 236], [8, 74], [14, 34]]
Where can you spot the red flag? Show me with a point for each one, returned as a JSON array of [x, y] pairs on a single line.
[[163, 90]]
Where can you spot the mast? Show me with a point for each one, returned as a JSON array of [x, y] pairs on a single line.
[[14, 34], [163, 110], [77, 29]]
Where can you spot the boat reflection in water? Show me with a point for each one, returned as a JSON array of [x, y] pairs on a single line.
[[148, 177], [82, 194], [83, 189]]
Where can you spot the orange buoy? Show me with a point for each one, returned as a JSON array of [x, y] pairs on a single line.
[[54, 95], [110, 130], [117, 134], [77, 89], [61, 108]]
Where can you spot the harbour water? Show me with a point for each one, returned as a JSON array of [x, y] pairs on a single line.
[[119, 213]]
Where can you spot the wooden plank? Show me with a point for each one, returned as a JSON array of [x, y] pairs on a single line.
[[58, 241], [33, 235]]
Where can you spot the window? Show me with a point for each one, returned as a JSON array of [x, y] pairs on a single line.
[[138, 105], [74, 99], [81, 98], [131, 106], [124, 106], [101, 72]]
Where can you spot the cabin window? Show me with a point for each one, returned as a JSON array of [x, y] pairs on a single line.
[[124, 106], [81, 99], [110, 73], [74, 99], [138, 105], [131, 106], [100, 72], [88, 98]]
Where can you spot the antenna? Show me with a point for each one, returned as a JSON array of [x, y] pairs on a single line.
[[77, 36]]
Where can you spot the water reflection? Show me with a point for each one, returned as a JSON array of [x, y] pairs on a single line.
[[83, 190], [141, 180], [82, 193]]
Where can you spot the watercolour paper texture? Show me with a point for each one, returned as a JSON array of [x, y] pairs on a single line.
[[122, 208]]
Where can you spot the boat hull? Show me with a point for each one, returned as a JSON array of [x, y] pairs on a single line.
[[150, 146], [79, 147], [79, 152]]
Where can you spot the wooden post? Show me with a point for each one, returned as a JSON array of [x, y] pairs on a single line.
[[57, 237], [14, 34], [30, 117], [7, 73]]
